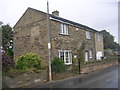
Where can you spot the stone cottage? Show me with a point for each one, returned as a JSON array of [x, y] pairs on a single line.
[[30, 35]]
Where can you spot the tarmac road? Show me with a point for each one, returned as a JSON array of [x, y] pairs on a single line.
[[107, 78]]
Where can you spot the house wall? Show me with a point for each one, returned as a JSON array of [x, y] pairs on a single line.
[[99, 44], [70, 41], [90, 45], [30, 36]]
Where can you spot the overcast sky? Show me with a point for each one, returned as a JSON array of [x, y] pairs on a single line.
[[97, 14]]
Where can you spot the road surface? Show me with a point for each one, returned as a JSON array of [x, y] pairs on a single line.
[[107, 78]]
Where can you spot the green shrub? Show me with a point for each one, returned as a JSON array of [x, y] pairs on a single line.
[[58, 65], [28, 61]]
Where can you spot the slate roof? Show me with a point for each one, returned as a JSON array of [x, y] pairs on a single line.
[[64, 20], [74, 23]]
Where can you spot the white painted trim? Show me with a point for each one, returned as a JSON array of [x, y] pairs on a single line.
[[63, 27], [88, 35], [67, 23], [61, 21], [99, 55], [69, 56], [90, 53]]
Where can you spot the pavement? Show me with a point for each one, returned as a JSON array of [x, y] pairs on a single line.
[[105, 78]]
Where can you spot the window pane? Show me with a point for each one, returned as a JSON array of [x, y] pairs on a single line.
[[61, 28], [66, 57], [98, 37], [64, 29], [67, 29], [62, 56], [87, 34], [70, 55]]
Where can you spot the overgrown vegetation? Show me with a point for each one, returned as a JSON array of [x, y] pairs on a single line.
[[7, 39], [24, 62], [28, 61], [58, 65], [7, 47]]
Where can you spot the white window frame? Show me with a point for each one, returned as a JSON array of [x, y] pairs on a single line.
[[63, 29], [98, 37], [88, 36], [99, 55], [65, 58], [90, 53]]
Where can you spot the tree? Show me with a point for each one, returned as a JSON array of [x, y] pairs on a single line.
[[7, 46], [7, 39], [108, 40]]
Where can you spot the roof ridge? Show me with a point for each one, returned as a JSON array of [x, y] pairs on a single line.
[[65, 20], [78, 24]]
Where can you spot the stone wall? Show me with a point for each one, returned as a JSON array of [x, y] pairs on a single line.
[[30, 35], [99, 45], [71, 41], [96, 67], [90, 45]]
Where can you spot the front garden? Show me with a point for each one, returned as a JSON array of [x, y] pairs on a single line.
[[28, 69], [85, 68]]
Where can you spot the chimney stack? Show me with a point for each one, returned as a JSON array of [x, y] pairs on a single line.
[[55, 13]]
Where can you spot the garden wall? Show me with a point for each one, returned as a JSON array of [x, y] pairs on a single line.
[[94, 67]]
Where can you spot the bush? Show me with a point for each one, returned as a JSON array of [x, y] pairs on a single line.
[[58, 65], [7, 62], [28, 61]]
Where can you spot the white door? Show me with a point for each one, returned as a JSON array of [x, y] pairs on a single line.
[[98, 55], [86, 56]]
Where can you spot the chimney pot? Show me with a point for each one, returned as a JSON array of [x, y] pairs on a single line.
[[55, 13]]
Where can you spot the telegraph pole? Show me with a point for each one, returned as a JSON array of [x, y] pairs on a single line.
[[49, 44], [79, 68]]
